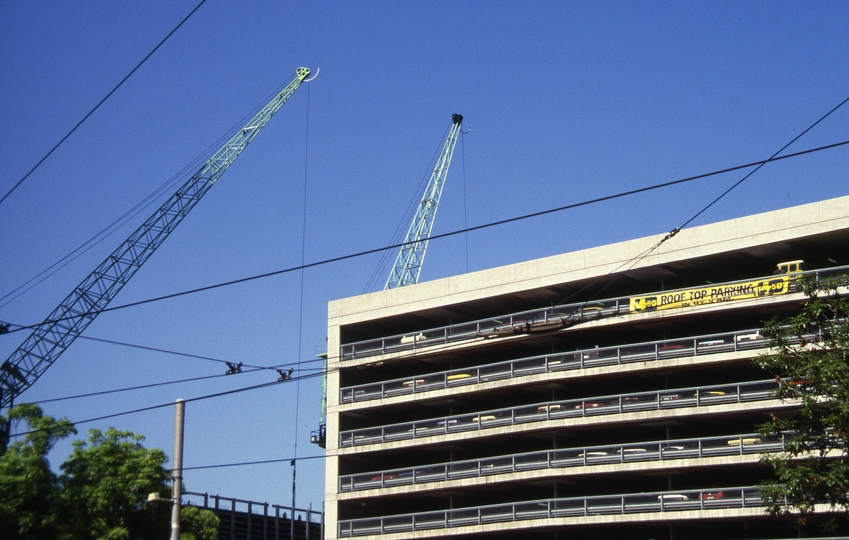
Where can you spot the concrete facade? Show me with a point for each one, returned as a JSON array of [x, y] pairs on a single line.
[[552, 399]]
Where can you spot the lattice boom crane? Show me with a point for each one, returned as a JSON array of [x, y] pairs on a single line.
[[89, 298], [411, 257]]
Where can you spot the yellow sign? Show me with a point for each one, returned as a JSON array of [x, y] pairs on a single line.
[[711, 295]]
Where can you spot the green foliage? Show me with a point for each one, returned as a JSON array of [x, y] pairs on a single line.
[[197, 524], [811, 366], [29, 496], [106, 481], [100, 494]]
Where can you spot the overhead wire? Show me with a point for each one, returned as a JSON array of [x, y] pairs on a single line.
[[139, 387], [62, 140], [167, 351], [13, 328], [727, 191], [633, 261], [132, 212], [163, 405], [258, 462], [636, 259], [251, 369]]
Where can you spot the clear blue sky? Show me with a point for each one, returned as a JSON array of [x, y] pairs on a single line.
[[566, 101]]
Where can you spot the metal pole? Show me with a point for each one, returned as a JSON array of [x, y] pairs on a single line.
[[292, 522], [177, 473]]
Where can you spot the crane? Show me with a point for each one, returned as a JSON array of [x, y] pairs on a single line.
[[50, 338], [408, 264]]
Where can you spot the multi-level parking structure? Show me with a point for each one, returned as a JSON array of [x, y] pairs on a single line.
[[566, 397], [552, 318], [747, 444]]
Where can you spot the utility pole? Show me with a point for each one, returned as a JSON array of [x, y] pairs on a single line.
[[177, 473], [292, 522]]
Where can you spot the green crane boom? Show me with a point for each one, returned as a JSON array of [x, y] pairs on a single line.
[[89, 298], [409, 262]]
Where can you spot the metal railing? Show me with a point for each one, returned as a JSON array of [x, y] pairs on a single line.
[[259, 520], [567, 361], [501, 325], [524, 322], [632, 503], [571, 408], [726, 445]]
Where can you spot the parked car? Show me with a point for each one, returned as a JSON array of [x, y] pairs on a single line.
[[711, 495], [671, 348], [750, 336], [590, 405], [745, 441], [413, 338], [553, 407]]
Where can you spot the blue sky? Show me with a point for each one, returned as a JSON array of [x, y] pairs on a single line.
[[566, 101]]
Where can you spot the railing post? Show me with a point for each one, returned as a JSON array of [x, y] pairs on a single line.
[[232, 519], [276, 522]]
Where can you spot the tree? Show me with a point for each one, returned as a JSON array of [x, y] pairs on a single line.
[[101, 493], [29, 495], [811, 366], [106, 482], [197, 524]]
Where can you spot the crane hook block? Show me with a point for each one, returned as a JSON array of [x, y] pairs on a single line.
[[457, 118], [302, 73]]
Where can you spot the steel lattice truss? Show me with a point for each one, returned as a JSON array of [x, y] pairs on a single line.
[[89, 298], [409, 262]]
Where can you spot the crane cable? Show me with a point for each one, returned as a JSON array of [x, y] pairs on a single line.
[[301, 298], [465, 210]]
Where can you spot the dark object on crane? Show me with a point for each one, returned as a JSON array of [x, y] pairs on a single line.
[[234, 368], [285, 375], [89, 298], [409, 262], [319, 436]]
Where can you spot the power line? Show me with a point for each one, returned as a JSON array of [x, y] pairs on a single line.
[[167, 351], [163, 405], [727, 191], [259, 462], [637, 258], [252, 369], [139, 387], [460, 231], [62, 140], [132, 212]]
